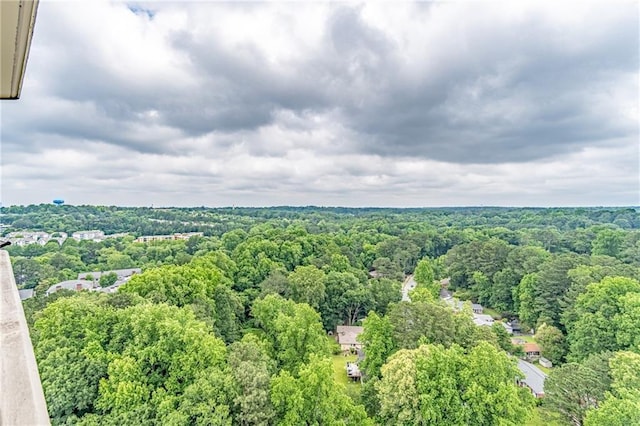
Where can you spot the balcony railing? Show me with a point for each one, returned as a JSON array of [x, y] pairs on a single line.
[[21, 397]]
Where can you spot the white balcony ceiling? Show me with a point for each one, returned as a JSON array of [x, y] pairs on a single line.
[[17, 18]]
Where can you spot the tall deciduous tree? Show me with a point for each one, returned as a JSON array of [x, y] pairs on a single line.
[[552, 343], [294, 330], [135, 365], [601, 311], [313, 398], [377, 338], [308, 285], [621, 406], [425, 278], [432, 385], [251, 368], [384, 292], [574, 388], [608, 242]]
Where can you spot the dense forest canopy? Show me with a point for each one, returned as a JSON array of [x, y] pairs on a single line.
[[217, 221], [231, 327]]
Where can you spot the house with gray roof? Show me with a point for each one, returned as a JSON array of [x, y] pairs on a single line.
[[73, 285], [508, 327], [347, 336], [483, 319], [121, 273], [533, 378], [26, 293]]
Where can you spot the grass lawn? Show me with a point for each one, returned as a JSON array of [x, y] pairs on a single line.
[[545, 370], [340, 372], [340, 368], [538, 419], [494, 314], [526, 338]]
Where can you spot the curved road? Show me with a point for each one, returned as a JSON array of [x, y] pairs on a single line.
[[408, 285]]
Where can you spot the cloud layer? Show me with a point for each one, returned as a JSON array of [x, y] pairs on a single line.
[[410, 104]]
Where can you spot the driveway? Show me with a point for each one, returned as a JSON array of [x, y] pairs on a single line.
[[408, 285]]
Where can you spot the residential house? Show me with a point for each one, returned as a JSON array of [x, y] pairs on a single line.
[[515, 326], [26, 293], [531, 351], [94, 235], [533, 378], [483, 319], [117, 235], [24, 238], [74, 285], [112, 288], [121, 273], [347, 335], [478, 317], [60, 237]]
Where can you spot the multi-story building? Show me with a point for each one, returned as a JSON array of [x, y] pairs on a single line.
[[94, 235], [176, 236], [24, 238]]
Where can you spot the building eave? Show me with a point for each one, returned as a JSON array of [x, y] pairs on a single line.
[[17, 20]]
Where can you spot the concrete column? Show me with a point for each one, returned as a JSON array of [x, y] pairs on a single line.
[[21, 397]]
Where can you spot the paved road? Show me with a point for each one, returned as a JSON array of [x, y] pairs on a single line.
[[408, 285]]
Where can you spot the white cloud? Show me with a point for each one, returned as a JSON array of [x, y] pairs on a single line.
[[410, 104]]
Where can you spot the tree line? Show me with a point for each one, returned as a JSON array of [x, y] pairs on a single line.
[[232, 328]]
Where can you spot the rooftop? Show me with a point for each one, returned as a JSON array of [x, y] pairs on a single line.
[[70, 285], [121, 273], [347, 334], [483, 319], [531, 347], [533, 377]]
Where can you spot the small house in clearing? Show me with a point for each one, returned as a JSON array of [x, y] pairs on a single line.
[[515, 326], [531, 351], [346, 335]]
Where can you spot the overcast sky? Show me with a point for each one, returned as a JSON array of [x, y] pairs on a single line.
[[353, 104]]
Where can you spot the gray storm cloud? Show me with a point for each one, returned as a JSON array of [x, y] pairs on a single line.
[[374, 104]]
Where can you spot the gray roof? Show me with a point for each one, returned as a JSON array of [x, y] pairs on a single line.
[[70, 285], [533, 377], [483, 319], [112, 288], [121, 273], [25, 293], [476, 306], [347, 334]]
